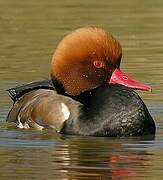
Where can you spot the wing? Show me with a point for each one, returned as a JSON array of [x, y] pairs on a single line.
[[18, 91]]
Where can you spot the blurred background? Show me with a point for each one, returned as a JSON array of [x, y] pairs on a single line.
[[29, 33]]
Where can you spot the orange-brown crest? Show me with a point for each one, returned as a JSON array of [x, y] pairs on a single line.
[[72, 63]]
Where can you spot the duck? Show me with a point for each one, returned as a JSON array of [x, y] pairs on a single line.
[[87, 94]]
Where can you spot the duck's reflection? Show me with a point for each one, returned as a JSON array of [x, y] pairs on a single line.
[[102, 158], [46, 156]]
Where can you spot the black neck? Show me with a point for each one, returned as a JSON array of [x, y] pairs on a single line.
[[59, 87], [83, 98]]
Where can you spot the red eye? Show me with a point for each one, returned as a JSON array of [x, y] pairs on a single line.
[[98, 64]]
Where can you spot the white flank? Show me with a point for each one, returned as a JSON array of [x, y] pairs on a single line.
[[65, 111], [26, 126], [19, 124]]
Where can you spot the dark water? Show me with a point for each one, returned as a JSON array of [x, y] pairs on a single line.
[[29, 33]]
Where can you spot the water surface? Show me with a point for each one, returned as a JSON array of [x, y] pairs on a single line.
[[29, 33]]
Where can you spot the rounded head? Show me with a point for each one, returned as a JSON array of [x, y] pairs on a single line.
[[85, 59]]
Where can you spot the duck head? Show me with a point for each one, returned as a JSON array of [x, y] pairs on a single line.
[[88, 58]]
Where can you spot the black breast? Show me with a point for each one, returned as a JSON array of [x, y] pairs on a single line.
[[111, 111]]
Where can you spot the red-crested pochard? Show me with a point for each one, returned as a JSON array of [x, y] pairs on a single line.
[[87, 95]]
